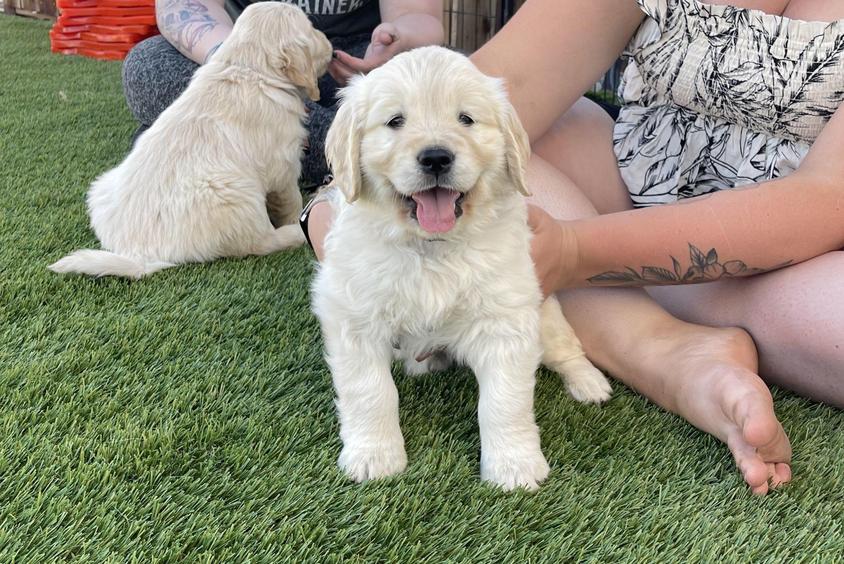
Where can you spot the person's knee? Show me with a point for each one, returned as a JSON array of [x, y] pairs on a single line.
[[584, 120], [579, 143], [554, 192], [154, 75]]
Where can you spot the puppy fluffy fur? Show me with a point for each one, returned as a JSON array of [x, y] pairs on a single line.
[[198, 184], [407, 272]]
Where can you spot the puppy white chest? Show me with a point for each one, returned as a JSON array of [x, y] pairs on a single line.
[[411, 293]]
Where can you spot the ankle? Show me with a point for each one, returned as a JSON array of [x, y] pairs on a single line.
[[643, 346]]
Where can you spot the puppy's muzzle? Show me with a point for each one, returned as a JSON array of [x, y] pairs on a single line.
[[435, 160], [435, 209]]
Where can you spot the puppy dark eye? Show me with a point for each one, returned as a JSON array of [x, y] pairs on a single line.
[[396, 122], [466, 119]]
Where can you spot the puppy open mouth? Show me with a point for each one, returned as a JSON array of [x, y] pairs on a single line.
[[436, 209]]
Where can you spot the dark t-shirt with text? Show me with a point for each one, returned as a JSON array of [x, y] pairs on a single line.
[[335, 18]]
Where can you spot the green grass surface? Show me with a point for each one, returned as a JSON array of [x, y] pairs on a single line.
[[189, 416]]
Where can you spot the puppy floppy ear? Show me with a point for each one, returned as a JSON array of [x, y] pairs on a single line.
[[517, 148], [297, 65], [342, 147]]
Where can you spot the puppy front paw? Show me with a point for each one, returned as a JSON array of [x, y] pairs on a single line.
[[372, 462], [516, 469], [584, 382]]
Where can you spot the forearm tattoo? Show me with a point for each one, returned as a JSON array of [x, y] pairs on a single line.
[[703, 267], [185, 22]]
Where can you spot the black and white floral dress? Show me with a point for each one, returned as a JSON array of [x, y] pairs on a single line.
[[716, 97]]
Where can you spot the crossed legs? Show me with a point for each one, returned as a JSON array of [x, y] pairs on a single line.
[[707, 375], [794, 314]]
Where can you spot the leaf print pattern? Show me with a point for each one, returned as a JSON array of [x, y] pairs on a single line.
[[717, 96]]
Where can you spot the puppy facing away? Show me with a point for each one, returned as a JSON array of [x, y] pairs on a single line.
[[198, 184], [428, 257]]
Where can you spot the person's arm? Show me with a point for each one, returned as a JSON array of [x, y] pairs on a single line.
[[552, 51], [405, 24], [195, 27], [731, 233], [415, 22]]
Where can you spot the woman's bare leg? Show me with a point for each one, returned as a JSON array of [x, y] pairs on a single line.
[[580, 145], [794, 314], [796, 317], [706, 375]]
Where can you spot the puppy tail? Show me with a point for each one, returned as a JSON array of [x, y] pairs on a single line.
[[105, 263]]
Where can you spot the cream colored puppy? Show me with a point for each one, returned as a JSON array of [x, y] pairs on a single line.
[[429, 255], [198, 183]]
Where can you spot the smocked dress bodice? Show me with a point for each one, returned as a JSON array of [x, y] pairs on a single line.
[[716, 97]]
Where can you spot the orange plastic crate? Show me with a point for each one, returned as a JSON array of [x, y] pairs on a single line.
[[145, 30], [103, 29]]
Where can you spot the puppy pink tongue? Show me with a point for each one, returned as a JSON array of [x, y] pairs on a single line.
[[435, 209]]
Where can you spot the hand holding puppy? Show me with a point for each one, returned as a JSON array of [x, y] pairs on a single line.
[[553, 248]]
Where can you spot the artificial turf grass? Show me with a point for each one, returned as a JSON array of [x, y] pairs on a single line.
[[190, 415]]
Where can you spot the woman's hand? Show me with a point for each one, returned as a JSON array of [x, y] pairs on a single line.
[[405, 24], [553, 249], [385, 44]]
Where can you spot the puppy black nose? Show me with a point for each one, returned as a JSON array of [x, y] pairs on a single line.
[[435, 160]]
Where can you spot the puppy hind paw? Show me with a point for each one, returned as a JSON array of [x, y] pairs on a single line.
[[289, 236], [372, 463], [584, 382], [280, 239], [516, 470]]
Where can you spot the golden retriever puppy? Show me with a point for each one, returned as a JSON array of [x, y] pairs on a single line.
[[196, 185], [429, 256]]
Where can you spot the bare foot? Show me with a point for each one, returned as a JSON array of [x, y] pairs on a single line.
[[708, 376]]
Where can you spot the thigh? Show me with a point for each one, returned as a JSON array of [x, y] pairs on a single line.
[[580, 145], [795, 315], [154, 75], [556, 193]]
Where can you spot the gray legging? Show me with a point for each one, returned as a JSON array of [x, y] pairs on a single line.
[[155, 74]]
